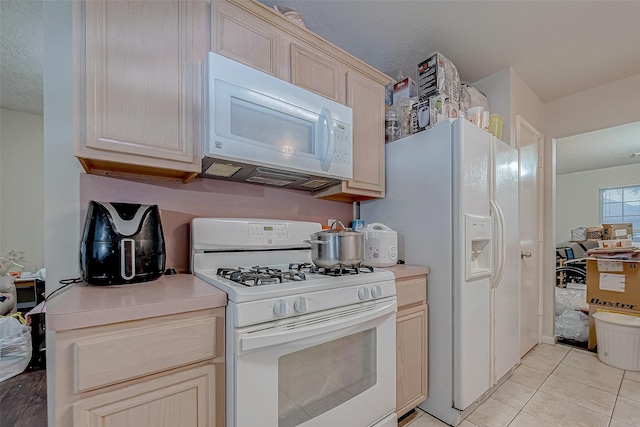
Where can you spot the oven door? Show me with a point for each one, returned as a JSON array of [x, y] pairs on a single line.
[[334, 368]]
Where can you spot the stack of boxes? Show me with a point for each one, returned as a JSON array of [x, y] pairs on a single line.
[[439, 87], [413, 109], [613, 284]]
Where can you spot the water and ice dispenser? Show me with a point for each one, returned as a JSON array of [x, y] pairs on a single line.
[[478, 248]]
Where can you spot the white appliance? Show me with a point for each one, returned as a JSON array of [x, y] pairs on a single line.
[[452, 196], [265, 130], [305, 346], [380, 245]]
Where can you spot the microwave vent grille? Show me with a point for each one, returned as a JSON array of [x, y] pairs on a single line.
[[224, 170]]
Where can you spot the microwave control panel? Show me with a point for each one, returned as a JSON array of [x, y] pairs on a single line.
[[342, 139]]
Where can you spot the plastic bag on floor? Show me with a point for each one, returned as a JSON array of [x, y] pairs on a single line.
[[15, 347], [570, 299], [573, 325]]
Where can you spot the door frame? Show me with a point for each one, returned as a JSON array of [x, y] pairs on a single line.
[[523, 124]]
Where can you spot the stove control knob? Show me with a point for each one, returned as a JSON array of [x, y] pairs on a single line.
[[300, 305], [363, 293], [376, 291], [281, 308]]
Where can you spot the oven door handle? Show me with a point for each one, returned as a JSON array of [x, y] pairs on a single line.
[[280, 335]]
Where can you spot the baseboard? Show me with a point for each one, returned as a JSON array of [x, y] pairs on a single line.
[[546, 339]]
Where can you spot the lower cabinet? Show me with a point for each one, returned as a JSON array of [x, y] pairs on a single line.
[[157, 372], [411, 343], [179, 399]]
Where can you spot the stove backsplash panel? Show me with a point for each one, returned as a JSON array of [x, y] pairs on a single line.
[[180, 203]]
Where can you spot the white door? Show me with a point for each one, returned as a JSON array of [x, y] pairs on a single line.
[[529, 144]]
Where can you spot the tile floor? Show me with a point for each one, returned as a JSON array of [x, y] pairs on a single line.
[[558, 386]]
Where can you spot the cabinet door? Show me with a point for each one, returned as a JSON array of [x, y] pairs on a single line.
[[185, 399], [317, 73], [411, 358], [242, 37], [141, 75], [366, 97]]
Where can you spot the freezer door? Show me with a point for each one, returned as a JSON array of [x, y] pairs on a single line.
[[471, 297], [505, 292]]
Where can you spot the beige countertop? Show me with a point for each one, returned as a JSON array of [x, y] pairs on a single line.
[[403, 270], [83, 305]]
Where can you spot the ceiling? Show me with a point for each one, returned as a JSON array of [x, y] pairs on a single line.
[[557, 47], [21, 55], [599, 149]]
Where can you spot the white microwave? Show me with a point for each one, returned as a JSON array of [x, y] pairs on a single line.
[[263, 130]]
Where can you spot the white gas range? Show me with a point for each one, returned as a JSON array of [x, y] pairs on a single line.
[[304, 346]]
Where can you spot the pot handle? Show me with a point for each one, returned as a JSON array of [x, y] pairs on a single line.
[[316, 242], [333, 226]]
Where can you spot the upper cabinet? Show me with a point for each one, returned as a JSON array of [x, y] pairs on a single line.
[[244, 38], [253, 34], [138, 83], [317, 72]]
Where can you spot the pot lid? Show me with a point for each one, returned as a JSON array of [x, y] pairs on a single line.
[[343, 231]]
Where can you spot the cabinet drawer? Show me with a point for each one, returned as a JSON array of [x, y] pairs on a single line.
[[411, 291], [114, 357]]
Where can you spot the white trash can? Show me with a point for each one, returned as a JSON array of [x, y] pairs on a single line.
[[618, 337]]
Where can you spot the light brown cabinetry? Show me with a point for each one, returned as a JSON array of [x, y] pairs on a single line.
[[251, 33], [317, 72], [156, 372], [137, 87], [411, 343]]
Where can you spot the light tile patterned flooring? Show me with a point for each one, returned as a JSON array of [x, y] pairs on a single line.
[[558, 386]]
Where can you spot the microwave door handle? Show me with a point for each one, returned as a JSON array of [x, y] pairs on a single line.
[[326, 136]]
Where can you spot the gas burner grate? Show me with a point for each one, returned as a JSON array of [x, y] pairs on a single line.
[[341, 271], [258, 276]]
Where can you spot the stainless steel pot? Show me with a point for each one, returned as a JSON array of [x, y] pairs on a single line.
[[337, 248]]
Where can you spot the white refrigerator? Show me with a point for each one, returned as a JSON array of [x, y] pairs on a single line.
[[452, 196]]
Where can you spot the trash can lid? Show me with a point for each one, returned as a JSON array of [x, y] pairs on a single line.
[[617, 318]]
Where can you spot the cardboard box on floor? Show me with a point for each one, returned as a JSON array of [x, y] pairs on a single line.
[[612, 285]]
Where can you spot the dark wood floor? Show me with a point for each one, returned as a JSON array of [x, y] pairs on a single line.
[[23, 400]]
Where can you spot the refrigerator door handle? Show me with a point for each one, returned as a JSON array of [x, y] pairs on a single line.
[[500, 244]]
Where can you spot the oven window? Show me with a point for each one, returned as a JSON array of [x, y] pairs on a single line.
[[317, 379]]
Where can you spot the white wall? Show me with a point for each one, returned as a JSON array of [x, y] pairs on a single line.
[[510, 96], [525, 103], [497, 89], [22, 186], [602, 107], [61, 170], [578, 196]]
